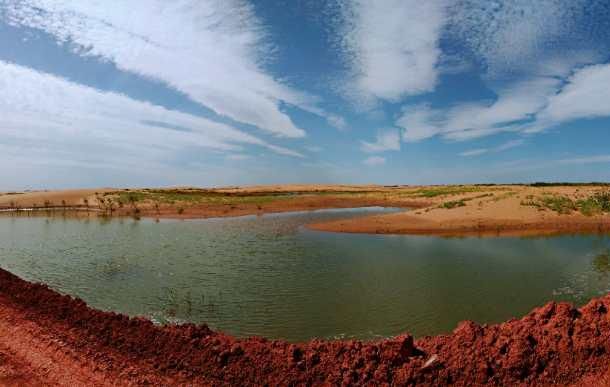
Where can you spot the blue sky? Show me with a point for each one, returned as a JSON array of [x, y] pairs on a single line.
[[234, 92]]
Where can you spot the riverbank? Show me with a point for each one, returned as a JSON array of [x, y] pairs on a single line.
[[50, 339], [485, 210]]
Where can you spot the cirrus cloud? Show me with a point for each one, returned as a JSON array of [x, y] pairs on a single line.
[[213, 51]]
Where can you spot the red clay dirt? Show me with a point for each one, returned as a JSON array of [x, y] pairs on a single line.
[[52, 339]]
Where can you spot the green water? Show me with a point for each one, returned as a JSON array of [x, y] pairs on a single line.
[[270, 276]]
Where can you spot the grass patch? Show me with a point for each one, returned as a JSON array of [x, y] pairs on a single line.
[[445, 190], [191, 197], [597, 203], [453, 204], [132, 197], [559, 204]]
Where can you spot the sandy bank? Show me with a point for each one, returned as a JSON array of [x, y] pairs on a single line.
[[58, 340], [517, 211]]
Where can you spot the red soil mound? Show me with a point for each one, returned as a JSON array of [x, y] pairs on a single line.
[[554, 344]]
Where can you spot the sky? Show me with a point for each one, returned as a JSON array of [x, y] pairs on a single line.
[[240, 92]]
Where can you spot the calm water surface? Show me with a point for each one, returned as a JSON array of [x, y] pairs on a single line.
[[270, 276]]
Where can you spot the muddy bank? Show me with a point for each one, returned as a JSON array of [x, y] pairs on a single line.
[[58, 339]]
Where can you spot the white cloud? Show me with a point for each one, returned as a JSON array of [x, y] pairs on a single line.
[[586, 95], [314, 149], [528, 106], [54, 120], [387, 140], [509, 36], [500, 148], [392, 46], [420, 122], [474, 152], [211, 50], [374, 161], [517, 102], [336, 121], [509, 145]]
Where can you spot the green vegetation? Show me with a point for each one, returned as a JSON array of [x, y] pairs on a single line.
[[596, 204], [445, 190], [131, 197], [453, 204], [187, 197], [557, 203], [462, 202]]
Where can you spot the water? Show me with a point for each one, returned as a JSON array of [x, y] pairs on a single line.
[[270, 276]]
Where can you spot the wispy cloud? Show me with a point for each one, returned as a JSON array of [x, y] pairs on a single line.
[[500, 148], [238, 157], [213, 51], [51, 118], [420, 122], [474, 152], [465, 121], [392, 47], [534, 164], [387, 140], [585, 160], [374, 161]]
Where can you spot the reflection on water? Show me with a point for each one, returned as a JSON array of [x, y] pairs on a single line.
[[269, 276]]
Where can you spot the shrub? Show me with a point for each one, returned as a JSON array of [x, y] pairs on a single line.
[[453, 204]]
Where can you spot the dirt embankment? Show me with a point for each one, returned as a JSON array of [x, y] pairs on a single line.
[[47, 338]]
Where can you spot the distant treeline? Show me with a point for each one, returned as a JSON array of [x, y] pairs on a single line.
[[548, 184], [551, 184]]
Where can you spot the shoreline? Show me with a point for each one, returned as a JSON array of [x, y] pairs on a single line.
[[465, 210], [48, 338], [370, 224]]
